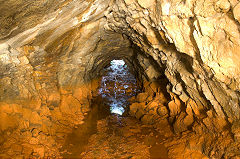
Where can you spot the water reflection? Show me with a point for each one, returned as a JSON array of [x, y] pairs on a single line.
[[117, 86]]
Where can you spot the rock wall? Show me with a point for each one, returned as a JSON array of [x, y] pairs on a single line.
[[196, 45], [51, 55], [195, 42]]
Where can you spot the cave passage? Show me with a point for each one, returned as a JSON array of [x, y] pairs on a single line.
[[118, 84], [108, 130], [120, 79]]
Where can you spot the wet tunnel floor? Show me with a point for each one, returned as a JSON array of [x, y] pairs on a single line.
[[108, 132]]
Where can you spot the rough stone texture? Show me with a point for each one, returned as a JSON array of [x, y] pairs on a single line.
[[50, 51], [236, 12], [196, 45], [190, 68], [200, 39], [49, 54]]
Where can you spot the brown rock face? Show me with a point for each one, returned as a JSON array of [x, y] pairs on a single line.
[[185, 55], [236, 12]]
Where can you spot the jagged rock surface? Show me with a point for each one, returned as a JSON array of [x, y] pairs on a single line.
[[51, 53]]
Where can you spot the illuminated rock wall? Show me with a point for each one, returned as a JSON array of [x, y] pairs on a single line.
[[52, 53]]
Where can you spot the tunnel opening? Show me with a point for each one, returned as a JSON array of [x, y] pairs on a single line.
[[128, 103], [118, 84]]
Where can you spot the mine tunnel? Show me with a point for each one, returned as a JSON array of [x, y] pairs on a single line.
[[120, 79]]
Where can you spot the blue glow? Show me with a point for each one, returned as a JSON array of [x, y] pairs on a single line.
[[118, 84]]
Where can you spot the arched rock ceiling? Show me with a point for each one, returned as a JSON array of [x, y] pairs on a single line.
[[52, 51]]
